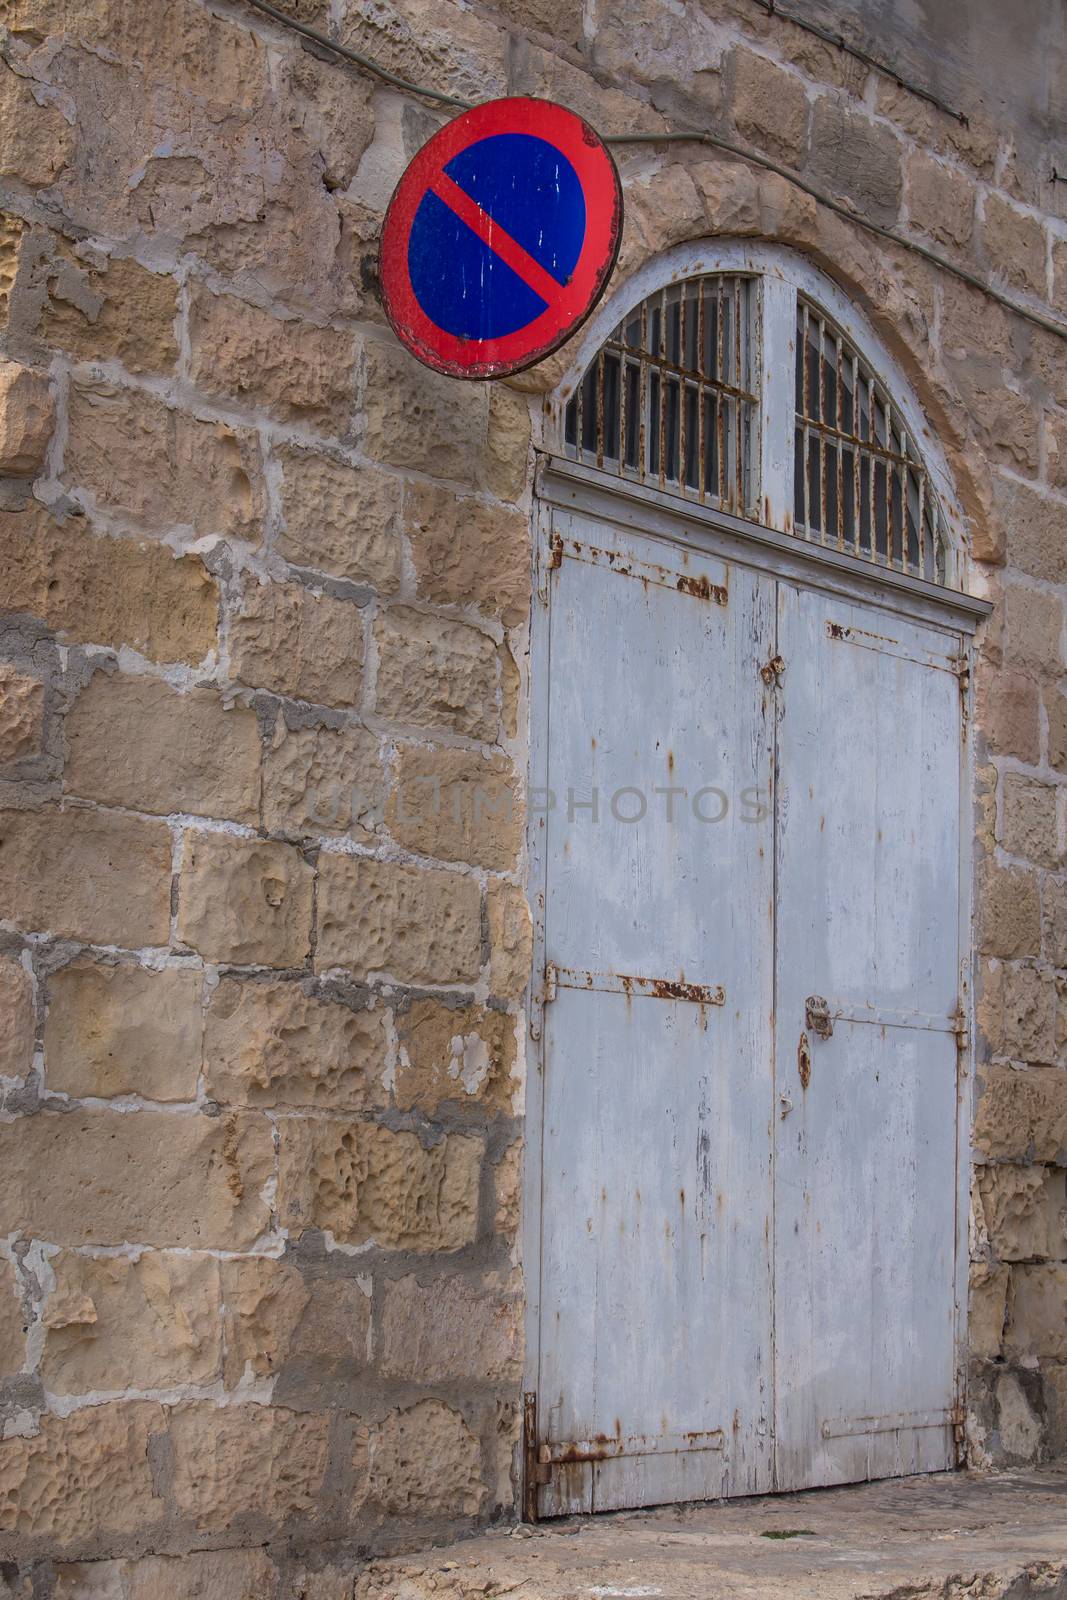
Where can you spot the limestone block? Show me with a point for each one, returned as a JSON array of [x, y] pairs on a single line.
[[11, 233], [340, 519], [1030, 828], [1015, 246], [941, 200], [118, 311], [106, 591], [332, 113], [857, 159], [245, 901], [1018, 1424], [136, 742], [1017, 1012], [16, 1019], [508, 445], [420, 1462], [264, 1300], [86, 874], [1036, 528], [457, 806], [510, 940], [1025, 1211], [12, 1324], [467, 553], [27, 416], [291, 369], [1056, 449], [270, 1044], [83, 1476], [201, 1575], [416, 418], [1055, 904], [1008, 712], [416, 924], [507, 1186], [146, 1177], [361, 1182], [987, 1310], [1009, 912], [298, 643], [464, 1054], [1033, 631], [36, 140], [768, 106], [436, 674], [319, 781], [21, 714], [435, 42], [116, 1324], [114, 1030], [1037, 1313], [450, 1329], [1022, 1115], [1059, 274], [232, 1461]]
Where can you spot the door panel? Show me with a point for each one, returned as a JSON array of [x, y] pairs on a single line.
[[655, 1330], [868, 897]]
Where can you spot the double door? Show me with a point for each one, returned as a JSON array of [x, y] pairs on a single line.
[[747, 849]]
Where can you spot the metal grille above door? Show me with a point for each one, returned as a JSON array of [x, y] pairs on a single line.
[[671, 397]]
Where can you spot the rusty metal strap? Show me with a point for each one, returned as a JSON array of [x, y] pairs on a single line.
[[699, 994], [609, 1447], [890, 1422]]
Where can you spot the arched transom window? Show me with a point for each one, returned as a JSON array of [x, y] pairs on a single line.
[[745, 392]]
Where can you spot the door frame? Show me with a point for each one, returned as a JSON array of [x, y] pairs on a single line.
[[564, 484]]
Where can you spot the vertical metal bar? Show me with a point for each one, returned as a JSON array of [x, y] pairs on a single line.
[[662, 388], [870, 468], [821, 439], [601, 370], [889, 540], [580, 418], [921, 526], [720, 427], [857, 515], [624, 376], [739, 463], [682, 363], [702, 429], [807, 437], [642, 398], [840, 453]]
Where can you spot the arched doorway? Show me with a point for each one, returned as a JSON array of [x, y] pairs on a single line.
[[748, 1122]]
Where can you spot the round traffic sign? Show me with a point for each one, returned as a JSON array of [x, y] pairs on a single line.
[[500, 238]]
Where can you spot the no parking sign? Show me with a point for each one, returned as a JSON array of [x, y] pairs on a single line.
[[500, 238]]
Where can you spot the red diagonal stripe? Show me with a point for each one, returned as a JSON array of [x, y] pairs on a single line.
[[497, 239]]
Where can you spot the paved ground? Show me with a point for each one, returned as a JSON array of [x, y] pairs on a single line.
[[951, 1536]]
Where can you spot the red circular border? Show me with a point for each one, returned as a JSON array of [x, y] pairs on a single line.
[[599, 178]]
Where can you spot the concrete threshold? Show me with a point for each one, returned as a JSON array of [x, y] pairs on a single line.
[[947, 1536]]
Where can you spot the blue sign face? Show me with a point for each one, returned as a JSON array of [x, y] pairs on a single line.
[[529, 189]]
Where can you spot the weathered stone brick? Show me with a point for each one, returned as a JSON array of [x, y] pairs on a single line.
[[856, 158], [136, 742], [508, 443], [507, 1189], [293, 370], [27, 416], [233, 1461], [106, 591], [323, 781], [435, 41], [1030, 827], [146, 1177], [264, 1300], [246, 901], [1025, 1211], [361, 1182], [467, 553], [987, 1310], [436, 674], [1022, 1115], [341, 519], [12, 229], [510, 935], [161, 466], [457, 806], [1017, 1012], [450, 1329], [117, 311], [1059, 274], [421, 1462], [114, 1030], [768, 106], [1009, 912], [1033, 630], [1015, 246], [447, 1053], [1009, 713], [1037, 1313], [1036, 527], [1055, 906], [86, 874], [36, 139], [272, 1044], [21, 715], [417, 418], [941, 200], [297, 643], [12, 1324], [83, 1476], [116, 1324], [1056, 449], [16, 1019], [201, 1575], [415, 924]]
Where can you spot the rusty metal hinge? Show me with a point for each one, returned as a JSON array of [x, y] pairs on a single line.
[[548, 992], [818, 1017], [960, 1028], [771, 671], [962, 667], [534, 1472]]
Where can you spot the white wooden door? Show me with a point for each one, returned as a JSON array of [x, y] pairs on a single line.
[[868, 804], [655, 1308]]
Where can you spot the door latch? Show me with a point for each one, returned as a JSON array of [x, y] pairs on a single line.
[[771, 671], [817, 1016]]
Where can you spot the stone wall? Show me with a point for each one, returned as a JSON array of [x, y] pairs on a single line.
[[265, 589]]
